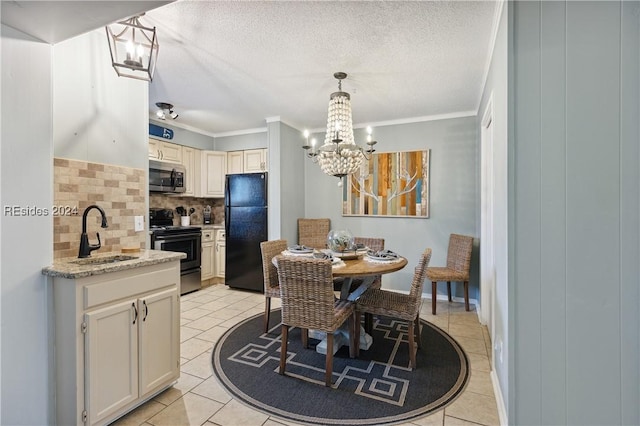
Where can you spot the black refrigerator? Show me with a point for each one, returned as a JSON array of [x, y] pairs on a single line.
[[245, 217]]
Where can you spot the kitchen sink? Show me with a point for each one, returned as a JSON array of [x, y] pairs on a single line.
[[103, 260]]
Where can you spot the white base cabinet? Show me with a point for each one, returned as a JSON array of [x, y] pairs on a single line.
[[207, 264], [117, 341], [220, 253]]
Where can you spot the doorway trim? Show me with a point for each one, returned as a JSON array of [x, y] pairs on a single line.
[[487, 246]]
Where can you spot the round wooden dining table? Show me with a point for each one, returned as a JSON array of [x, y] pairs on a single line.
[[363, 268]]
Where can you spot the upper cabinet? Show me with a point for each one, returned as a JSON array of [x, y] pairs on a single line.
[[255, 160], [214, 170], [165, 151], [248, 161], [235, 162], [191, 162]]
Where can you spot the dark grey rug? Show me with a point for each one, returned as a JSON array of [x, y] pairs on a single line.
[[375, 389]]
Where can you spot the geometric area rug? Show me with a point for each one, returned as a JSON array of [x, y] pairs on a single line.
[[377, 388]]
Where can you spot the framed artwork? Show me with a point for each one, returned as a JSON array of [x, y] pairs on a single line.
[[389, 184]]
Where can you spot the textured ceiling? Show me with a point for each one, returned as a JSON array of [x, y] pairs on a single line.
[[55, 21], [227, 66]]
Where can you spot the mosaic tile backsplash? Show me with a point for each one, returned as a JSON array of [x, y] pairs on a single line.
[[120, 191], [157, 200]]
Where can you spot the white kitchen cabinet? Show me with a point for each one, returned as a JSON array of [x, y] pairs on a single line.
[[208, 260], [220, 253], [117, 341], [191, 162], [214, 170], [255, 160], [165, 151], [235, 162], [111, 363]]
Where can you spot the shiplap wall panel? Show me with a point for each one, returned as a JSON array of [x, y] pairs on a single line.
[[630, 212], [593, 212], [553, 348], [527, 201], [576, 88]]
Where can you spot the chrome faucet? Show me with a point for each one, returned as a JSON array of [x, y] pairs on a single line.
[[85, 247]]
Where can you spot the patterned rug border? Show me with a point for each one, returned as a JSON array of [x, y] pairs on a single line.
[[445, 400]]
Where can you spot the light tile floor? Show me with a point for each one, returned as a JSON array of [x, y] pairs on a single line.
[[198, 399]]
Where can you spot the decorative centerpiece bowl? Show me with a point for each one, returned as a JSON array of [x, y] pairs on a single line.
[[340, 240]]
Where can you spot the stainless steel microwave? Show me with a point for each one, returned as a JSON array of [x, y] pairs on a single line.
[[166, 177]]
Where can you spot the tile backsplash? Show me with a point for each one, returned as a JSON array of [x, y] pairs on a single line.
[[120, 191], [157, 200]]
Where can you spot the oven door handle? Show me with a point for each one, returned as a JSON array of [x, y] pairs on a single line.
[[160, 241]]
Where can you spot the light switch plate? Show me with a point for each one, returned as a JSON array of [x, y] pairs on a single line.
[[138, 223]]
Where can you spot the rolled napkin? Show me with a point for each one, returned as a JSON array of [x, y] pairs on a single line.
[[300, 249], [382, 254], [322, 255]]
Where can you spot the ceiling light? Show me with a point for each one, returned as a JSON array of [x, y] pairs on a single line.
[[133, 48], [164, 110], [339, 156]]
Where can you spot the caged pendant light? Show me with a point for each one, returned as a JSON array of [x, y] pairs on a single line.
[[133, 48]]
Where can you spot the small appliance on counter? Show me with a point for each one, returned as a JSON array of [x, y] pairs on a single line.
[[206, 214]]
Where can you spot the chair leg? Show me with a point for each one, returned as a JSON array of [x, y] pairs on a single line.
[[368, 322], [305, 337], [418, 334], [354, 341], [449, 290], [412, 346], [329, 361], [283, 348], [267, 312], [434, 289], [466, 295]]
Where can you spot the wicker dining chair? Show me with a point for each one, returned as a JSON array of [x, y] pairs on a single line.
[[398, 305], [270, 249], [457, 269], [306, 288], [313, 232], [376, 244]]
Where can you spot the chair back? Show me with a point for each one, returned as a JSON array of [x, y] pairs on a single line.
[[376, 244], [419, 275], [459, 252], [271, 249], [313, 232], [306, 290]]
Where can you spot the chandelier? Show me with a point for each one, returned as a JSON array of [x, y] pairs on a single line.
[[339, 156], [133, 48]]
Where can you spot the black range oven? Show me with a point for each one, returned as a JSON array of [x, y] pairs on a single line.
[[185, 239]]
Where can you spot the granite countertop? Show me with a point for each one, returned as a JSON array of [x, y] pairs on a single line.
[[213, 226], [72, 267]]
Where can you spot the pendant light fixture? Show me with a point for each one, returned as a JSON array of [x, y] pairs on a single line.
[[133, 48], [339, 156]]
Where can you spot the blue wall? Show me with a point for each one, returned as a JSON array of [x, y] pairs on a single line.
[[453, 195]]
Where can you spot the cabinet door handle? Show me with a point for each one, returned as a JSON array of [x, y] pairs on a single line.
[[135, 312], [146, 310]]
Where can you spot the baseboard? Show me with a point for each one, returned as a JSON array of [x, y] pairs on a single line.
[[444, 297], [502, 409]]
